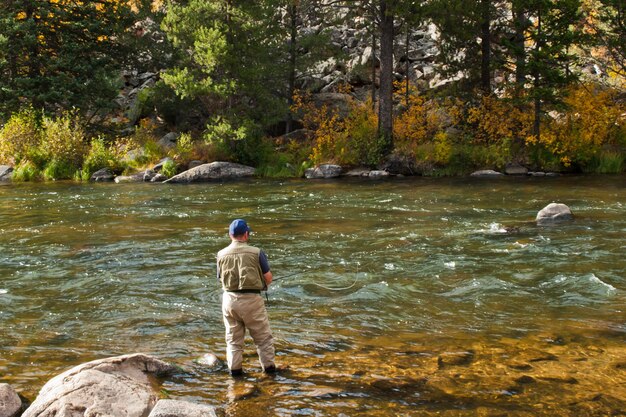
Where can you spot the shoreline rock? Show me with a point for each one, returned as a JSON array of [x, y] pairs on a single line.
[[10, 402], [212, 171], [117, 386]]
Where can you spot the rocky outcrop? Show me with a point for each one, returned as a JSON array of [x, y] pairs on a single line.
[[323, 171], [5, 172], [554, 213], [10, 402], [173, 408], [118, 386], [169, 140], [213, 171]]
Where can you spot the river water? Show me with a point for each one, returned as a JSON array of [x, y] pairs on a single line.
[[392, 298]]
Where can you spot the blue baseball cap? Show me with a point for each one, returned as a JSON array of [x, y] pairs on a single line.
[[238, 227]]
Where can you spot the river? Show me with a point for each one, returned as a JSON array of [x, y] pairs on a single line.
[[415, 296]]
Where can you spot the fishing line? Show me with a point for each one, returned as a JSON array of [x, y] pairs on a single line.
[[356, 280]]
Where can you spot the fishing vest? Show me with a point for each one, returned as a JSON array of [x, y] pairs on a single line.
[[240, 268]]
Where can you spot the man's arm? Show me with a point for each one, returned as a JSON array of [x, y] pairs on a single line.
[[265, 268]]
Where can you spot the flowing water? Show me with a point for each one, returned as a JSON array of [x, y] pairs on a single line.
[[397, 298]]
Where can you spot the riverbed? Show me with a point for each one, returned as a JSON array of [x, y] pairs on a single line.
[[402, 297]]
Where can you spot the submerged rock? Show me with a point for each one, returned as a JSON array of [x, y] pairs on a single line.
[[117, 386], [174, 408], [10, 402], [554, 213], [213, 171], [210, 360]]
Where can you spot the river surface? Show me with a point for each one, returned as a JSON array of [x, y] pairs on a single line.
[[392, 298]]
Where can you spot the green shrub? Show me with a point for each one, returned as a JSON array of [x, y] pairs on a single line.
[[606, 162], [18, 136], [169, 168], [64, 140], [59, 170], [26, 171], [100, 156]]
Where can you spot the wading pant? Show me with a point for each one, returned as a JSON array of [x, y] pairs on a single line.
[[246, 311]]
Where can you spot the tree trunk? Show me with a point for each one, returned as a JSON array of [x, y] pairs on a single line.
[[485, 46], [373, 68], [293, 15], [519, 47], [537, 79], [385, 108]]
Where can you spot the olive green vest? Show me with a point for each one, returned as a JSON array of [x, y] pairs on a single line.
[[240, 268]]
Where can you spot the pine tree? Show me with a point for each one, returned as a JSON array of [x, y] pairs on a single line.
[[61, 54]]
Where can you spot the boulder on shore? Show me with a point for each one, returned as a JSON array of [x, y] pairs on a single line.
[[117, 386], [6, 172], [10, 402], [102, 175], [323, 171], [513, 168], [554, 213], [174, 408], [213, 171], [486, 173]]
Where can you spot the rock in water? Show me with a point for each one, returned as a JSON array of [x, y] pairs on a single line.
[[554, 213], [173, 408], [118, 386], [10, 402], [210, 360]]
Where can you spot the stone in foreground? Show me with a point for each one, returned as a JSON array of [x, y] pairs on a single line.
[[554, 213], [173, 408], [213, 171], [6, 172], [10, 402], [118, 386]]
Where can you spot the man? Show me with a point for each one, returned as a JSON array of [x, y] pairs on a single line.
[[244, 272]]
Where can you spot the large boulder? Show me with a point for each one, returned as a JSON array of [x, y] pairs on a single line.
[[323, 171], [174, 408], [5, 172], [513, 168], [10, 402], [118, 386], [554, 213], [213, 171]]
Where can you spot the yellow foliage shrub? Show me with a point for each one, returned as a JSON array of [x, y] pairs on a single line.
[[495, 120], [19, 135], [593, 120], [418, 123]]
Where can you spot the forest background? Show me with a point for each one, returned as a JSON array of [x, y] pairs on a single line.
[[273, 84]]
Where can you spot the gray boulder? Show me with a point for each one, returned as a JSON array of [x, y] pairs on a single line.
[[169, 140], [102, 175], [10, 402], [174, 408], [378, 174], [323, 171], [486, 173], [120, 179], [159, 178], [118, 386], [5, 172], [513, 168], [213, 171], [554, 213], [210, 360]]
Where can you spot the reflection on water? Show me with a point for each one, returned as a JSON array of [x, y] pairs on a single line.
[[406, 297]]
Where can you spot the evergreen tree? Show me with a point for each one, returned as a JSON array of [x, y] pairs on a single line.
[[60, 54], [232, 64]]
